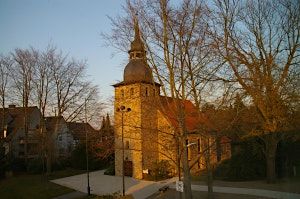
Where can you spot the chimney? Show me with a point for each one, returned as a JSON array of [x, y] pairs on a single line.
[[12, 106]]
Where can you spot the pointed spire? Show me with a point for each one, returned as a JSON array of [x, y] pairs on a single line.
[[137, 50], [103, 123], [107, 121]]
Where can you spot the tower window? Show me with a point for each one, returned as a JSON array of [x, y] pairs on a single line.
[[127, 145], [189, 155], [122, 93], [199, 146], [146, 91], [131, 92], [153, 92]]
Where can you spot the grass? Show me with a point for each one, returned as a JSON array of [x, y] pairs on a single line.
[[65, 173], [30, 186]]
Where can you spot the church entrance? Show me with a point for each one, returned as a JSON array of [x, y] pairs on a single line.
[[128, 168]]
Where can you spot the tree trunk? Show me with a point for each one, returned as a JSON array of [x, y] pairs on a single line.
[[270, 153], [48, 159], [186, 173], [209, 172], [209, 182]]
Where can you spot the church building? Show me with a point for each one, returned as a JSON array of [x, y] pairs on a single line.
[[146, 122]]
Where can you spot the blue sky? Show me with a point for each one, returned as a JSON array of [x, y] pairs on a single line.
[[73, 26]]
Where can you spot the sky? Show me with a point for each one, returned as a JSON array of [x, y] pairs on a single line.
[[73, 26]]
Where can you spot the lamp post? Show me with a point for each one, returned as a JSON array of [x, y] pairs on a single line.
[[122, 110], [86, 151]]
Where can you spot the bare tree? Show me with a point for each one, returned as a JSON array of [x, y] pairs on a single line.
[[259, 40], [21, 73], [43, 80], [71, 88], [5, 64]]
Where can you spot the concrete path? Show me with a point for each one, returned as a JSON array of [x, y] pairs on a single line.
[[103, 185], [246, 191]]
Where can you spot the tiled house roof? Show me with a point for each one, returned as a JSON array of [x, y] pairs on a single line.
[[14, 118], [51, 123], [78, 130]]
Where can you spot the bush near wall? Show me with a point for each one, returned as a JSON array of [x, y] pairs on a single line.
[[249, 162], [246, 164], [78, 159], [110, 170], [288, 159]]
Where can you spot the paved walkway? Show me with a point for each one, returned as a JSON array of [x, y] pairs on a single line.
[[246, 191], [103, 185]]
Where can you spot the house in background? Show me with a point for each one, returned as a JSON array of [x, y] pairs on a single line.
[[79, 130], [52, 134], [13, 130], [62, 139]]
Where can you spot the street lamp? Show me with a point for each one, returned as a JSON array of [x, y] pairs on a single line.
[[122, 110], [86, 151], [87, 160]]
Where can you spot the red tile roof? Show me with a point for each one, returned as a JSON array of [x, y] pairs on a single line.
[[194, 119]]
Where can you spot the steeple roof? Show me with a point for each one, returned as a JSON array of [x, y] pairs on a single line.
[[137, 44], [137, 69]]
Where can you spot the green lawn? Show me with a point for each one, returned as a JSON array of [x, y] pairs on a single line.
[[65, 173], [34, 186]]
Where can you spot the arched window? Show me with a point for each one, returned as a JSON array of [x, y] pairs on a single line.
[[146, 91], [122, 93], [131, 92], [127, 145]]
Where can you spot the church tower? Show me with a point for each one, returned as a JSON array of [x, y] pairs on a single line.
[[135, 114]]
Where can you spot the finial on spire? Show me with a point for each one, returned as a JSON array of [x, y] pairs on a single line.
[[136, 26]]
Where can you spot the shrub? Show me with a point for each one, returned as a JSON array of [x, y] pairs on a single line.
[[110, 170], [161, 170], [18, 164], [3, 168], [35, 166], [58, 165], [78, 159]]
